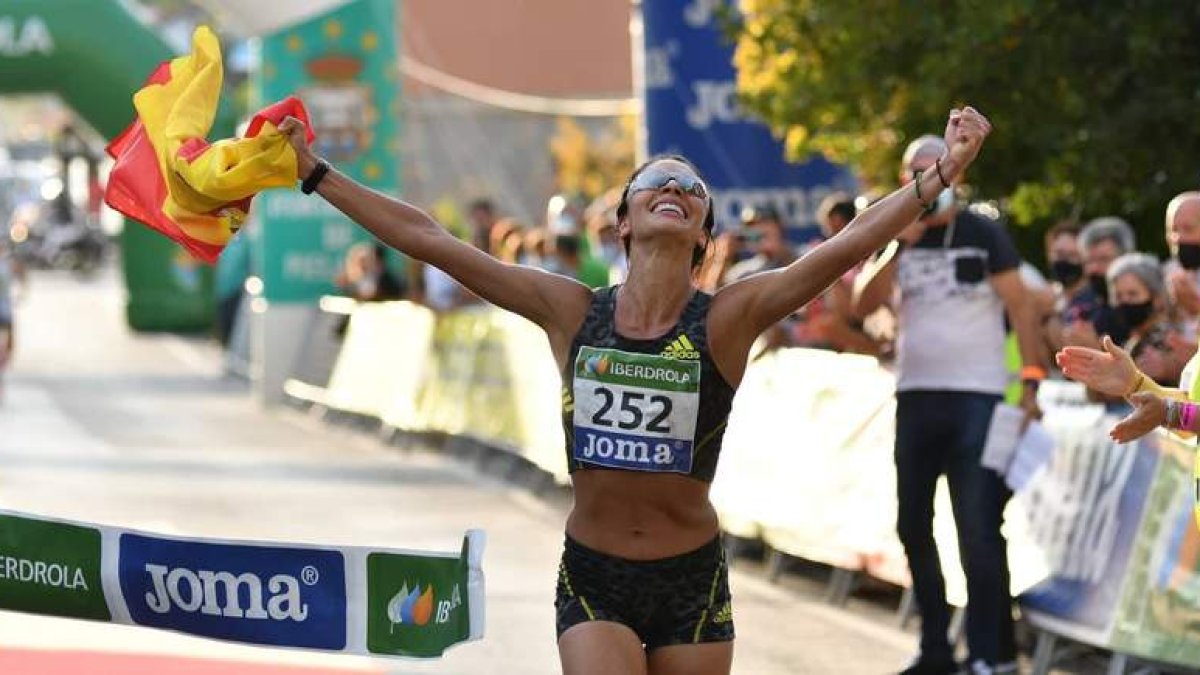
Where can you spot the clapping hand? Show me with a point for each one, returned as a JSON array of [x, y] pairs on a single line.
[[1111, 371]]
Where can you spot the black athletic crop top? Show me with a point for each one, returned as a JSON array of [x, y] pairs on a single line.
[[656, 405]]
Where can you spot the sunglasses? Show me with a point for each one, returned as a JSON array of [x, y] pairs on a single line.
[[657, 179]]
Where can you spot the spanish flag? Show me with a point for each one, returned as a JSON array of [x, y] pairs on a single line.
[[170, 178]]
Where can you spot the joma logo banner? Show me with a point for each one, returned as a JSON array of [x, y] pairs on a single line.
[[275, 596]]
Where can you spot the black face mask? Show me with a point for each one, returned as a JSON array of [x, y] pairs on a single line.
[[1099, 285], [1066, 272], [1135, 314], [1189, 256]]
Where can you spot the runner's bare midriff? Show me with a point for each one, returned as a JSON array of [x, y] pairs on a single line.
[[640, 516]]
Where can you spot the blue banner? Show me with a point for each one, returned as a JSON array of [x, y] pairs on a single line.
[[287, 597], [691, 109], [1089, 508]]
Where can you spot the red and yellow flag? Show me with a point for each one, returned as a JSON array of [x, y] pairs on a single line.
[[173, 180]]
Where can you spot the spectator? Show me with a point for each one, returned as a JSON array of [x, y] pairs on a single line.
[[482, 214], [1183, 270], [365, 276], [835, 213], [505, 239], [834, 322], [1066, 269], [763, 233], [957, 274], [1138, 294], [567, 259], [233, 267], [535, 248], [727, 250], [1089, 314], [600, 221]]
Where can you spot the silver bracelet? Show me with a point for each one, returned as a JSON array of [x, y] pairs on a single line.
[[1172, 421]]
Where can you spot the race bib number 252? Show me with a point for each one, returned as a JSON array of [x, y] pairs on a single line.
[[635, 411]]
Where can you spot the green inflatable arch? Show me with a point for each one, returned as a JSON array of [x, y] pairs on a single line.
[[95, 55]]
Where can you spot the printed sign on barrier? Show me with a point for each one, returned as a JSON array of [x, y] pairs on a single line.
[[1085, 513], [51, 568], [287, 597], [415, 605]]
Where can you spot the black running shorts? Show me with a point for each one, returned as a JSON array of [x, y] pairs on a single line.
[[683, 599]]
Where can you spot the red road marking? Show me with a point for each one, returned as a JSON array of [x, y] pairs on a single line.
[[48, 662]]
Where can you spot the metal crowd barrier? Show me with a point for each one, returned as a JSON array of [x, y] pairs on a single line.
[[807, 469]]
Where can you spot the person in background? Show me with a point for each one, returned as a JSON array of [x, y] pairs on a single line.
[[957, 276], [1089, 315], [1066, 272], [1138, 293], [505, 239], [481, 213], [727, 250], [764, 235], [233, 268], [837, 325], [1183, 269], [365, 276], [604, 246], [535, 248]]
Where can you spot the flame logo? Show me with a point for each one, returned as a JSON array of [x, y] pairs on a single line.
[[411, 607], [596, 365]]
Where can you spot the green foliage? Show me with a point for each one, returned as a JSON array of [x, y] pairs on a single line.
[[1094, 103]]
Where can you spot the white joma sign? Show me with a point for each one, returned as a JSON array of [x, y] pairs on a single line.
[[217, 594], [22, 36]]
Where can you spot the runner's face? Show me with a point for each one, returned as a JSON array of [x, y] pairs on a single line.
[[674, 205]]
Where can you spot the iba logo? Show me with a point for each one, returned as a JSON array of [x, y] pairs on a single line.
[[265, 595], [415, 605]]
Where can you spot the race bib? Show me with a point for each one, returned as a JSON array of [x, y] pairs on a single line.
[[635, 411]]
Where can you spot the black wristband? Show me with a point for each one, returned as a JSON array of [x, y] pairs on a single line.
[[937, 164], [314, 177]]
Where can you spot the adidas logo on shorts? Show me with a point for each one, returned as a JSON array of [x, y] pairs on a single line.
[[723, 615], [681, 348]]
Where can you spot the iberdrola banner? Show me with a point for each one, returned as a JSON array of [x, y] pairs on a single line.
[[375, 602]]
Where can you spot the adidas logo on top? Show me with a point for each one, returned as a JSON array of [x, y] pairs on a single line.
[[681, 348]]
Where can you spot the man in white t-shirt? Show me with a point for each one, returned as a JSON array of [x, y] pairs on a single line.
[[951, 278]]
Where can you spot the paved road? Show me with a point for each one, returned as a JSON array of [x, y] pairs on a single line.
[[103, 425]]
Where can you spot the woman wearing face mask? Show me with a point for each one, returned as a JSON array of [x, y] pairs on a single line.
[[649, 372], [1066, 270], [1138, 292]]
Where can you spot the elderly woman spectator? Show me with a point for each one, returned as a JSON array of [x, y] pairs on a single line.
[[1089, 314], [1138, 294]]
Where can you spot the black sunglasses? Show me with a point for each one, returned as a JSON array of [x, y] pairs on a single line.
[[657, 179]]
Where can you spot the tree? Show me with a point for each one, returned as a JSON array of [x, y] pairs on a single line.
[[1094, 103], [587, 165]]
